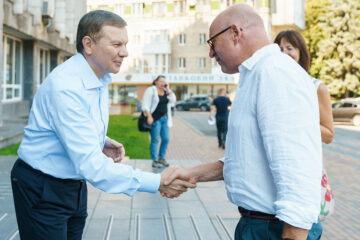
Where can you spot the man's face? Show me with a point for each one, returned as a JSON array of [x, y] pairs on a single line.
[[222, 48], [110, 50]]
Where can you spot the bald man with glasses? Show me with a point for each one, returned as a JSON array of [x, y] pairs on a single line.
[[272, 164]]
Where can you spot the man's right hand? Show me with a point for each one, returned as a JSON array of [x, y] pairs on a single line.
[[176, 187]]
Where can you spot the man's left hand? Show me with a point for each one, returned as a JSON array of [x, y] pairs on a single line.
[[114, 150]]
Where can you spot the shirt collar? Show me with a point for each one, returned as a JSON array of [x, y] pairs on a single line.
[[259, 54], [90, 80]]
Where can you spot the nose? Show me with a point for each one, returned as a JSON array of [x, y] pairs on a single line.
[[211, 53], [123, 52]]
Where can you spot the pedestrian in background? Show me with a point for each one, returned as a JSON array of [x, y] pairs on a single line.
[[293, 44], [221, 106], [156, 106]]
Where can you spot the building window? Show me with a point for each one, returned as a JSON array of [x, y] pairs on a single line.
[[202, 62], [182, 63], [120, 9], [179, 7], [158, 8], [182, 39], [44, 65], [137, 9], [202, 38], [137, 39], [13, 69]]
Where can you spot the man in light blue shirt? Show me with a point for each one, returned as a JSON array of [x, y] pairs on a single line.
[[272, 164], [65, 141]]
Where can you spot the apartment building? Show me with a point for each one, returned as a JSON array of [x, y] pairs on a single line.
[[37, 35], [169, 37]]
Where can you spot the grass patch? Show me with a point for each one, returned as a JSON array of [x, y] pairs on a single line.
[[123, 129], [10, 150]]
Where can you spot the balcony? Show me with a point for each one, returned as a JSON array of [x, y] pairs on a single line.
[[157, 48]]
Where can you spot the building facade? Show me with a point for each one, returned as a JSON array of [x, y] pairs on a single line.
[[37, 35], [169, 37]]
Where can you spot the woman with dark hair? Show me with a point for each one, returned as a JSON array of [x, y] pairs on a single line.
[[293, 44], [156, 106]]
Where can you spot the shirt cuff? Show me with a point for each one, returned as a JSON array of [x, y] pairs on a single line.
[[150, 182], [221, 159]]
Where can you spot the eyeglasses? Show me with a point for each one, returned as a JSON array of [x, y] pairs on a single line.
[[211, 40]]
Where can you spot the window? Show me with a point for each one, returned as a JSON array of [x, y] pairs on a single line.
[[182, 39], [214, 63], [44, 65], [347, 105], [13, 68], [120, 9], [202, 62], [158, 8], [182, 63], [137, 9], [137, 39], [137, 65], [179, 7], [202, 38]]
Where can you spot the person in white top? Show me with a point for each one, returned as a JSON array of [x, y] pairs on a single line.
[[156, 106], [293, 44], [272, 164]]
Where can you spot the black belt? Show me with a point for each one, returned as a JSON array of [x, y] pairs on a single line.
[[27, 166], [258, 215]]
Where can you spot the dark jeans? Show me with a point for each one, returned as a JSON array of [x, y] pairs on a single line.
[[47, 207], [222, 126], [258, 229]]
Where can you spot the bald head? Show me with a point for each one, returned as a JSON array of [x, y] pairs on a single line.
[[235, 35], [240, 14]]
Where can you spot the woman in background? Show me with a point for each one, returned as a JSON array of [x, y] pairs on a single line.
[[156, 106], [293, 44]]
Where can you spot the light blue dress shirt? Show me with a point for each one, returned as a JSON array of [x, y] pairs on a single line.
[[67, 128], [273, 157]]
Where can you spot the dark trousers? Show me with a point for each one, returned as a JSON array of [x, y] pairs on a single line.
[[47, 207], [259, 229], [222, 126]]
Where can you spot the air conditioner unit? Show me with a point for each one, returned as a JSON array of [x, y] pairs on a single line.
[[48, 9]]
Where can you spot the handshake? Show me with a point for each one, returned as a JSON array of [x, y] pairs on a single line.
[[175, 181]]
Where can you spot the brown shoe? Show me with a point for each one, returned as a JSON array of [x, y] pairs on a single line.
[[156, 164], [163, 162]]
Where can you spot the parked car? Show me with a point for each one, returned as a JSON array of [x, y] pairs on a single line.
[[197, 101], [347, 110]]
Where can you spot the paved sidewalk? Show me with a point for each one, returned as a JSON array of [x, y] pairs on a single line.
[[187, 144]]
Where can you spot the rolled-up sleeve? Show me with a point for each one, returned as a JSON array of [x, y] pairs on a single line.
[[77, 132], [146, 102], [289, 125]]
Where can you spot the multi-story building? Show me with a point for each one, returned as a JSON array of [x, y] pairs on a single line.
[[169, 37], [37, 35]]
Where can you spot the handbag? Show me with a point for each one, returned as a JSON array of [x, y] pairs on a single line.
[[327, 197], [142, 124]]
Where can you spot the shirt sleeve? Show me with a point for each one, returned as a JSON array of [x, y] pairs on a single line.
[[146, 102], [288, 121], [71, 121]]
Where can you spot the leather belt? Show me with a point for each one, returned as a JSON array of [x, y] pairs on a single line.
[[257, 215]]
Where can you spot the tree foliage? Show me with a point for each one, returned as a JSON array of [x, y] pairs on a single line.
[[333, 36]]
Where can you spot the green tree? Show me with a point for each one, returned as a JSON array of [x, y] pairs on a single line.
[[334, 42]]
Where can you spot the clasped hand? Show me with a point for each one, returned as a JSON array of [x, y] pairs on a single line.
[[172, 185]]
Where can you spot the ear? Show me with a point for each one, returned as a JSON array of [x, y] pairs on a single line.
[[87, 43], [236, 33]]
